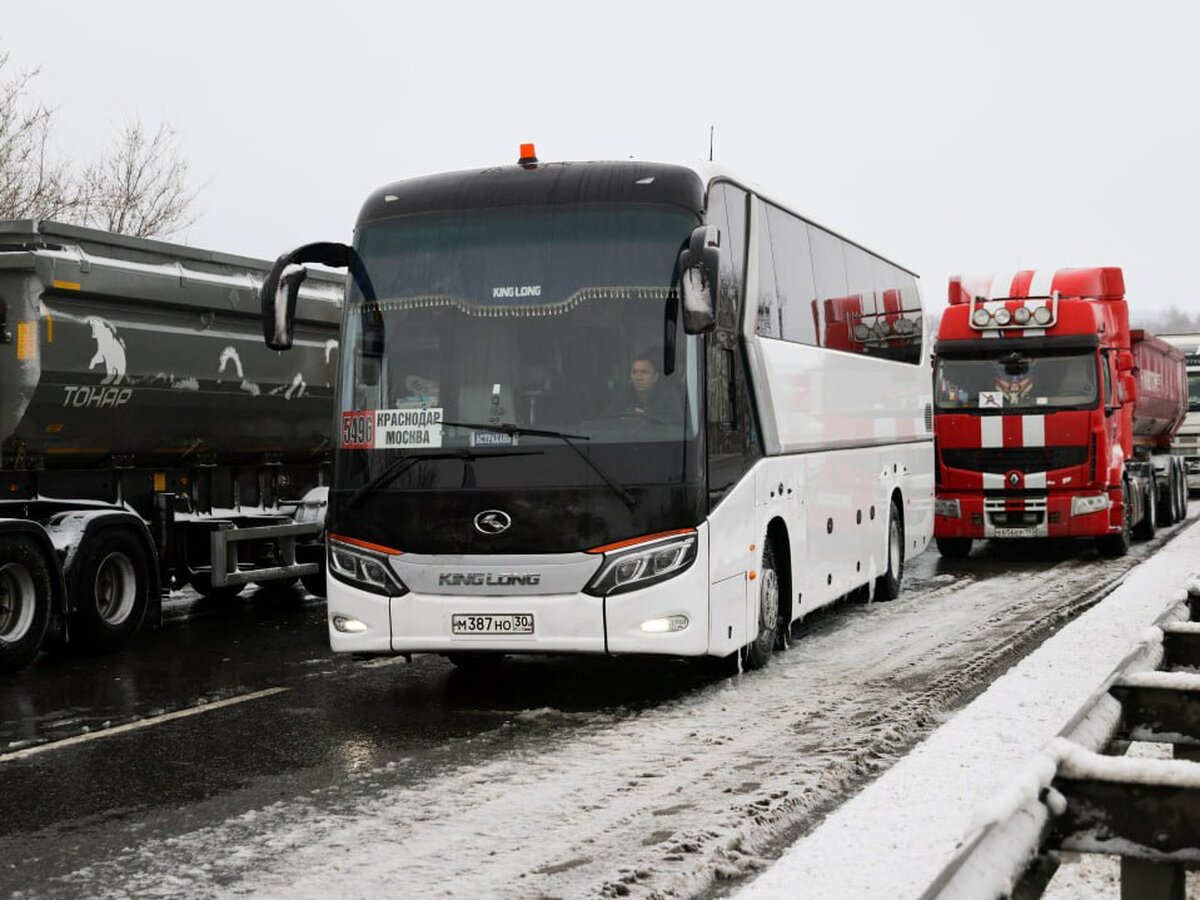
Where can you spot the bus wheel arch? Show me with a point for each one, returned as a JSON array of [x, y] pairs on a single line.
[[777, 537], [769, 598], [887, 585]]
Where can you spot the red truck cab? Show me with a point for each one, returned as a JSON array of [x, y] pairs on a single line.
[[1049, 413]]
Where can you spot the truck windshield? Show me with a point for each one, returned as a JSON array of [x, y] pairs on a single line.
[[560, 320], [1017, 381]]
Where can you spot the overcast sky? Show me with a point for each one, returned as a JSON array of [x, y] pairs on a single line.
[[949, 136]]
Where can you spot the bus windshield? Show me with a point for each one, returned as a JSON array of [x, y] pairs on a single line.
[[1017, 381], [561, 319]]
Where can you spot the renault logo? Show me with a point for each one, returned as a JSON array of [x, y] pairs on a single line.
[[492, 521], [1014, 479]]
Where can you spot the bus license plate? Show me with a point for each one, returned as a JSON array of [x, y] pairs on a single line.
[[491, 623]]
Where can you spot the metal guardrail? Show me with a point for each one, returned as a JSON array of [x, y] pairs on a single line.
[[225, 561], [1146, 811]]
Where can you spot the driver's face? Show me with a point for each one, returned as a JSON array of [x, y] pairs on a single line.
[[642, 374]]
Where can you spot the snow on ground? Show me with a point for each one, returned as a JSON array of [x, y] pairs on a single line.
[[896, 836]]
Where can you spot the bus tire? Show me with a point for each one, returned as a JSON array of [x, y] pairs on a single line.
[[26, 596], [111, 581], [887, 585], [758, 652], [315, 583], [954, 548]]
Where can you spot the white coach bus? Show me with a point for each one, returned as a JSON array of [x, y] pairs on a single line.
[[612, 407]]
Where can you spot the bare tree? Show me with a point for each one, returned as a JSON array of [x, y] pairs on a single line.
[[139, 187], [32, 185]]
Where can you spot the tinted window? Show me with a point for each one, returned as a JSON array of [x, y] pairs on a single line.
[[727, 210], [769, 318], [795, 291]]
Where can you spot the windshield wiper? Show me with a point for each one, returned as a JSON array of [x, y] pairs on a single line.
[[402, 464], [620, 490]]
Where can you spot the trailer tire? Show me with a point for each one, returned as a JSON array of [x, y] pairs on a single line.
[[758, 652], [887, 585], [1148, 526], [111, 581], [26, 595], [1169, 500], [954, 548]]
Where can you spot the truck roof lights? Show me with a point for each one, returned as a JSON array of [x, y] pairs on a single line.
[[1022, 316], [981, 318], [1002, 317], [1042, 315]]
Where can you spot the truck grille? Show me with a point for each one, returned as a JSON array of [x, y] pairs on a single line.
[[1006, 459]]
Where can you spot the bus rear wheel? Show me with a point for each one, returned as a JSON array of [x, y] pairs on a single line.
[[757, 653], [887, 585]]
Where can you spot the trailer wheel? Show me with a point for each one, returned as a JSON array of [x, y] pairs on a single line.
[[1181, 492], [887, 585], [1116, 545], [757, 653], [25, 600], [1146, 528], [111, 581], [954, 548], [1169, 501]]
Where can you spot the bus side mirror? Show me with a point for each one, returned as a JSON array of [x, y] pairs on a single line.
[[282, 287], [699, 268]]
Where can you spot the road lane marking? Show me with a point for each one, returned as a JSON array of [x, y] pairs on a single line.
[[139, 724]]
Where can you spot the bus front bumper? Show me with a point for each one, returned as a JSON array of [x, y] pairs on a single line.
[[668, 618]]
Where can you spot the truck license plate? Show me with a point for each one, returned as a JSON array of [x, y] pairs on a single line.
[[1015, 532], [491, 623]]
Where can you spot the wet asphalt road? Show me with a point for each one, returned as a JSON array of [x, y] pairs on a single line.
[[95, 789]]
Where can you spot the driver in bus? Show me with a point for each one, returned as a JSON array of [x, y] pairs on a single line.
[[647, 394]]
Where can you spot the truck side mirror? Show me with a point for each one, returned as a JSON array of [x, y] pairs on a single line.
[[282, 287], [699, 279], [5, 334], [1128, 387], [1124, 361]]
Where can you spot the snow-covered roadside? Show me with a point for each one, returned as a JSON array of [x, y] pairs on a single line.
[[894, 838]]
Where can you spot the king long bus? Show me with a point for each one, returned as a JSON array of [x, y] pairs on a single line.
[[612, 407]]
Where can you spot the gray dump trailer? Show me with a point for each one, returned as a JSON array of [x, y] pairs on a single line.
[[147, 437]]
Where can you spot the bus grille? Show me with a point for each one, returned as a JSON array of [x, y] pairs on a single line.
[[1008, 459]]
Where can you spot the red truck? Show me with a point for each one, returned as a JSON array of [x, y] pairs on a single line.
[[1053, 418]]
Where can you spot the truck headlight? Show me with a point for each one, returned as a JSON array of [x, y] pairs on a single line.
[[1082, 506], [948, 508], [643, 563], [364, 568]]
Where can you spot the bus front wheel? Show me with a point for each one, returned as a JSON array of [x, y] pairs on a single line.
[[757, 653]]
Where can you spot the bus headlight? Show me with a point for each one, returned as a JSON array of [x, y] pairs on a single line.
[[364, 568], [1082, 506], [643, 564]]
